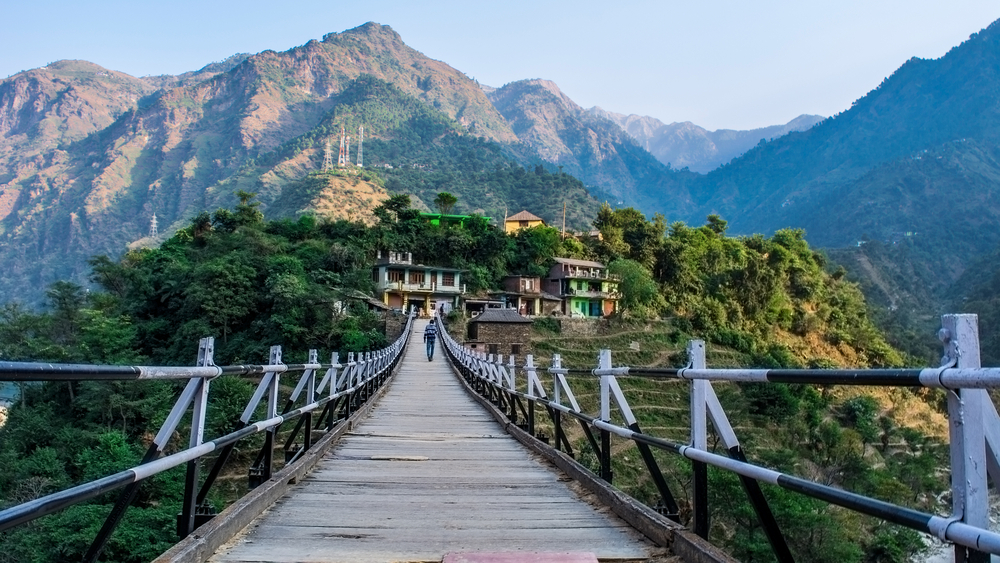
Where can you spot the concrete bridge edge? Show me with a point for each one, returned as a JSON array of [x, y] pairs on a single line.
[[206, 540], [660, 530]]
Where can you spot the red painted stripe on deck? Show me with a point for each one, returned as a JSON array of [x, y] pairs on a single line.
[[520, 557]]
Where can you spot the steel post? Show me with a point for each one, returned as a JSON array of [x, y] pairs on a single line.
[[605, 451], [966, 408], [699, 439], [272, 411]]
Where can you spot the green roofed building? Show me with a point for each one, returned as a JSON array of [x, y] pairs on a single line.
[[440, 219]]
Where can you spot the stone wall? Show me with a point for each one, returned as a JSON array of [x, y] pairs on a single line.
[[502, 338], [394, 323]]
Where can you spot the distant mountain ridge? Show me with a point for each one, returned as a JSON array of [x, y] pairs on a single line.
[[588, 146], [923, 110], [686, 145]]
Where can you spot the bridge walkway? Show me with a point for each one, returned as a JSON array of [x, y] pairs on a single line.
[[427, 474]]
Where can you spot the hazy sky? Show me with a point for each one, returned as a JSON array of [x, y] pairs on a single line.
[[736, 64]]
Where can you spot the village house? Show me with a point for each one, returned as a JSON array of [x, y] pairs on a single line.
[[585, 287], [400, 284], [475, 304], [524, 294], [522, 220], [500, 331]]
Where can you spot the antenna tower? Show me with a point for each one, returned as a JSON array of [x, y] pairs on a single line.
[[152, 227], [347, 154], [327, 157], [361, 141], [342, 161]]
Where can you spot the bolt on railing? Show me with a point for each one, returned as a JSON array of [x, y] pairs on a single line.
[[973, 419]]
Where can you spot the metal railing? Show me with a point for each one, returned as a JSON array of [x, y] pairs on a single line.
[[593, 293], [591, 274], [341, 390], [422, 287], [973, 421]]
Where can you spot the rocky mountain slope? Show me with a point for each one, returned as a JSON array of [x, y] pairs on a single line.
[[87, 155], [686, 145], [588, 146], [822, 178]]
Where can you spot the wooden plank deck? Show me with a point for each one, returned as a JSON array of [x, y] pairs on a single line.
[[431, 473]]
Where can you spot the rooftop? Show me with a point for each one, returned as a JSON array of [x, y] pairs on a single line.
[[500, 316], [580, 263], [524, 216], [451, 216]]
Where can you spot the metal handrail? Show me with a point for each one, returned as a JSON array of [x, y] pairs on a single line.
[[348, 385], [973, 418], [31, 371]]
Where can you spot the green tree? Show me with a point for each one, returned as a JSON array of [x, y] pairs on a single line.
[[223, 290], [246, 211], [535, 248], [862, 413], [66, 299], [640, 294], [445, 202]]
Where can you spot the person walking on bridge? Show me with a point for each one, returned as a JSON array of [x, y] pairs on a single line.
[[430, 335]]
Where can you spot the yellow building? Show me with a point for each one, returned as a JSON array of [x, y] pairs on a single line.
[[522, 220]]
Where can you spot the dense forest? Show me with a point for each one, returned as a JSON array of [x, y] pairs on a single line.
[[302, 283]]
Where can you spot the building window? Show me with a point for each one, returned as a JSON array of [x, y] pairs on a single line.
[[522, 224], [395, 275], [448, 279], [529, 285], [375, 275], [515, 349], [417, 277], [493, 348]]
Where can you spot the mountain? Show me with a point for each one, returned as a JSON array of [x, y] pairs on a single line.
[[43, 109], [416, 150], [686, 145], [884, 142], [914, 166], [89, 155], [196, 76], [583, 144]]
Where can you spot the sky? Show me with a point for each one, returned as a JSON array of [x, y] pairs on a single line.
[[719, 64]]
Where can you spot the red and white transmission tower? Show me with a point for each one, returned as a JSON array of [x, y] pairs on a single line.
[[342, 160]]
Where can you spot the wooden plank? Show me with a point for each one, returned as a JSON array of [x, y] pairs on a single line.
[[429, 472], [533, 520]]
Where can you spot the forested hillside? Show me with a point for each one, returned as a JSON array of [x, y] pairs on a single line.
[[924, 106], [417, 150], [302, 283]]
